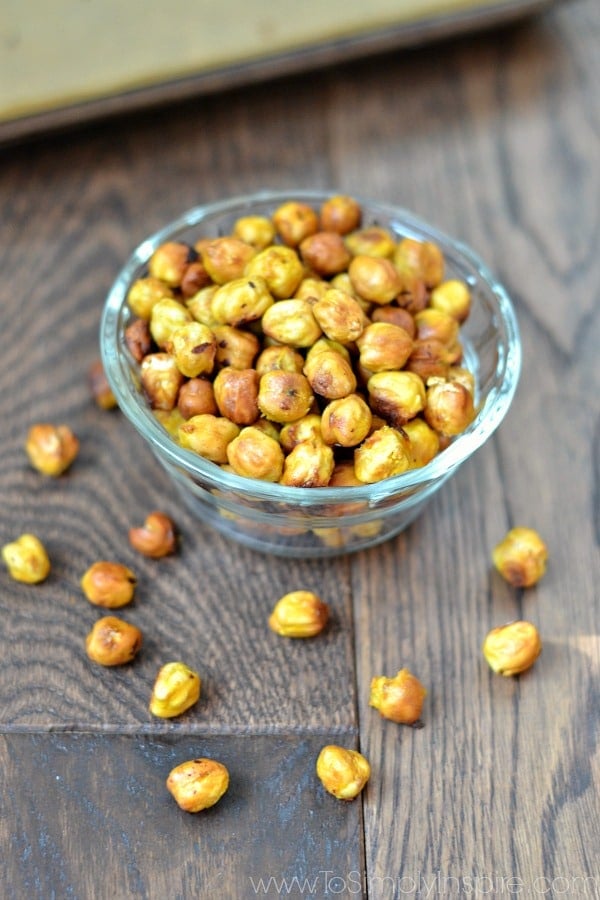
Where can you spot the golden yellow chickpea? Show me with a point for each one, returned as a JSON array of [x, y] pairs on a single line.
[[414, 294], [240, 301], [396, 396], [280, 268], [437, 325], [463, 376], [284, 396], [26, 559], [208, 435], [304, 429], [429, 359], [236, 394], [399, 698], [278, 357], [176, 689], [169, 262], [323, 345], [255, 454], [299, 614], [374, 278], [521, 557], [226, 258], [161, 380], [423, 441], [449, 407], [167, 316], [513, 648], [311, 288], [372, 241], [330, 374], [382, 455], [236, 347], [198, 784], [258, 231], [108, 584], [195, 397], [347, 421], [395, 315], [452, 297], [170, 419], [194, 347], [200, 305], [383, 346], [156, 538], [309, 464], [51, 449], [424, 259], [291, 322], [295, 221], [144, 293], [138, 339], [340, 213], [339, 315], [113, 642], [325, 253], [343, 773]]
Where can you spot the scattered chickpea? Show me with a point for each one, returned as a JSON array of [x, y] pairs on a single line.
[[100, 389], [51, 448], [513, 648], [521, 557], [156, 538], [343, 773], [108, 584], [113, 642], [198, 784], [26, 559], [399, 698], [299, 614], [176, 689]]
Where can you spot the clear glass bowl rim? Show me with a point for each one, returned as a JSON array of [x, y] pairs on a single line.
[[139, 414]]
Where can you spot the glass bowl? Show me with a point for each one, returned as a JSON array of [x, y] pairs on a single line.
[[318, 522]]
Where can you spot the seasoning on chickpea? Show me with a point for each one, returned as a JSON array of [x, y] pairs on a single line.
[[521, 557], [197, 784], [343, 773], [113, 642], [299, 614], [346, 421], [175, 690], [108, 584], [513, 648], [304, 429], [26, 559], [194, 348], [156, 538], [399, 698], [51, 449], [284, 396]]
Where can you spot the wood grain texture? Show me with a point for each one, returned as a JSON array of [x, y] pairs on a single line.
[[496, 140]]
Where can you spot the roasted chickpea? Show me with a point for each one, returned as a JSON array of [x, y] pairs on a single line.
[[346, 421], [195, 397], [51, 449], [423, 441], [169, 262], [194, 279], [138, 339], [521, 557], [156, 538], [375, 279], [396, 396], [176, 689], [399, 698], [330, 374], [200, 305], [452, 297], [225, 259], [340, 213], [161, 380], [100, 389], [513, 648], [422, 259], [309, 464], [382, 455], [194, 347], [280, 268], [170, 419], [291, 322], [295, 221], [26, 559], [449, 408], [435, 324], [395, 315], [282, 358], [304, 429], [299, 614], [236, 394], [198, 784], [463, 376], [167, 316], [144, 293], [208, 436], [339, 315], [343, 773], [284, 396], [241, 300], [236, 347], [255, 454], [258, 231], [311, 289], [108, 584], [372, 241], [113, 642], [325, 253], [429, 359], [383, 346], [413, 295]]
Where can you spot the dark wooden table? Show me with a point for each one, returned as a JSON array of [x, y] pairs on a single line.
[[495, 138]]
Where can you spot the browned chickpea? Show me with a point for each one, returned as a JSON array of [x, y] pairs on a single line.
[[340, 213], [423, 441], [194, 279], [449, 408], [324, 345], [281, 269], [291, 322], [26, 559], [421, 258], [339, 315], [284, 396], [138, 339], [200, 305], [258, 231], [435, 324], [225, 259], [236, 394], [100, 389], [309, 464], [311, 289], [240, 301], [383, 346], [346, 421], [304, 429], [208, 436], [156, 537], [108, 584], [169, 262], [325, 253], [50, 448], [235, 347], [144, 293], [197, 784], [167, 316], [279, 357], [375, 279], [428, 359], [255, 454], [344, 475], [464, 376], [295, 221], [382, 455], [394, 315], [195, 397], [397, 396], [453, 297], [161, 380], [413, 295], [113, 642], [330, 374], [194, 348], [270, 428], [372, 241]]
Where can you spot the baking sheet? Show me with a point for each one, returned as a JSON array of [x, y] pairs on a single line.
[[73, 60]]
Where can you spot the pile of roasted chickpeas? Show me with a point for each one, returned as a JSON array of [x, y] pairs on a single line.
[[304, 348]]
